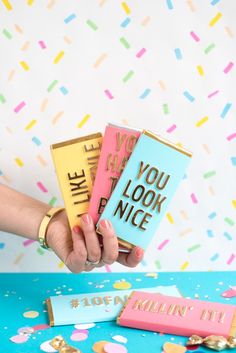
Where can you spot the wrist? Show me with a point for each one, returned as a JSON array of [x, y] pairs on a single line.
[[46, 223]]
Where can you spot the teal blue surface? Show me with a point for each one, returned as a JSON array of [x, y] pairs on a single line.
[[121, 207], [23, 292]]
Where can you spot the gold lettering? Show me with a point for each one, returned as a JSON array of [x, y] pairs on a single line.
[[97, 301], [142, 169], [119, 140]]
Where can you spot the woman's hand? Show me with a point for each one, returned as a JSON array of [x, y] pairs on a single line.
[[80, 249]]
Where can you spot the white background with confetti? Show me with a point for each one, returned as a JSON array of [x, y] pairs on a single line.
[[69, 67]]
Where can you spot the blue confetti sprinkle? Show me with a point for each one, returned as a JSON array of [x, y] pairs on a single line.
[[64, 90], [228, 236], [225, 110], [2, 245], [214, 257], [214, 2], [169, 4], [233, 160], [210, 233], [212, 215], [70, 18], [1, 173], [36, 141], [178, 54], [189, 96], [145, 93], [125, 22]]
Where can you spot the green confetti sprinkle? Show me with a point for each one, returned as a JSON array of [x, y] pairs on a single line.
[[128, 76], [2, 98], [7, 34], [124, 42], [52, 201], [92, 25], [158, 264], [165, 109], [52, 85], [229, 221], [209, 48], [194, 247], [40, 251], [209, 174]]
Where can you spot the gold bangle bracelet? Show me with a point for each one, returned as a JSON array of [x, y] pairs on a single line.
[[44, 225]]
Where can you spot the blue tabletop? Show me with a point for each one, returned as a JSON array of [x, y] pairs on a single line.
[[22, 307]]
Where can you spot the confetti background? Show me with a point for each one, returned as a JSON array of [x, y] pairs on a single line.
[[68, 67]]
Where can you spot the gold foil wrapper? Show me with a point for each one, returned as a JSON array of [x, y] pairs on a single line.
[[217, 343], [60, 345]]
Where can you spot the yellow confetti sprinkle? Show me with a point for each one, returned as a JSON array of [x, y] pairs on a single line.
[[19, 162], [99, 60], [200, 70], [18, 258], [7, 4], [122, 285], [98, 346], [234, 203], [11, 75], [83, 121], [61, 264], [30, 2], [215, 19], [31, 314], [170, 347], [126, 8], [184, 266], [59, 57], [169, 217], [30, 125], [57, 117], [202, 121], [151, 274], [24, 65]]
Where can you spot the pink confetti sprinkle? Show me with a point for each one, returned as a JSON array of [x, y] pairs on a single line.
[[212, 94], [171, 128], [28, 242], [42, 44], [194, 199], [114, 348], [41, 187], [230, 293], [194, 36], [108, 94], [19, 107], [80, 331], [232, 136], [19, 338], [107, 268], [228, 67], [41, 327], [79, 336], [140, 53], [231, 259], [161, 246]]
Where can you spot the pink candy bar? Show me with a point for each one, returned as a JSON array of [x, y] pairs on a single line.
[[179, 316], [117, 146]]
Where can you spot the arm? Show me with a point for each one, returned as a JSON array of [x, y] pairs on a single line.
[[22, 215]]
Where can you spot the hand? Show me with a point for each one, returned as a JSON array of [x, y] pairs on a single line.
[[75, 247]]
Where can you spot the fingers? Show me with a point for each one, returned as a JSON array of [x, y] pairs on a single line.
[[90, 238], [76, 258], [131, 259], [110, 242]]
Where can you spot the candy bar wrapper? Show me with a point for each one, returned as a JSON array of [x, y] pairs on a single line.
[[118, 143], [93, 307], [178, 316], [76, 163], [145, 188]]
